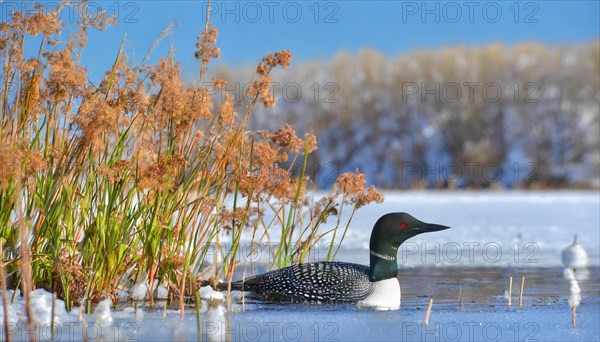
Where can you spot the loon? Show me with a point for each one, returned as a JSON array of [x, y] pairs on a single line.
[[375, 286]]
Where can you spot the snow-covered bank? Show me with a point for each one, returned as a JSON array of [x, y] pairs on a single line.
[[524, 229], [489, 229]]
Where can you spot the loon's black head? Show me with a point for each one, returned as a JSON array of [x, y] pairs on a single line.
[[390, 231], [395, 228]]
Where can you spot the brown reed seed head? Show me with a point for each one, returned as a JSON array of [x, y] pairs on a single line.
[[170, 100], [171, 260], [69, 265], [227, 112], [65, 77], [116, 171], [205, 47], [262, 89], [368, 196], [30, 92], [281, 58], [207, 205], [284, 58], [228, 218], [265, 155], [286, 137], [257, 174], [33, 23], [351, 186], [100, 20], [8, 165], [324, 208], [219, 83], [262, 86], [160, 174], [283, 186], [350, 183], [32, 161], [199, 104], [95, 118], [43, 22]]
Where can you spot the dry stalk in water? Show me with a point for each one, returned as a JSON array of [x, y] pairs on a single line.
[[510, 291], [428, 311], [521, 292]]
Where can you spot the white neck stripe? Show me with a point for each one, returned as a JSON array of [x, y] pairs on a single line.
[[383, 256]]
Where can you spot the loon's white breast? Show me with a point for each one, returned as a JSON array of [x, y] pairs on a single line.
[[385, 296]]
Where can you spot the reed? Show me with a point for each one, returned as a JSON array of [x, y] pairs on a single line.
[[521, 292], [130, 180], [428, 311], [6, 329], [510, 282], [52, 317]]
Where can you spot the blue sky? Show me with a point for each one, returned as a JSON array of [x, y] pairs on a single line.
[[316, 30]]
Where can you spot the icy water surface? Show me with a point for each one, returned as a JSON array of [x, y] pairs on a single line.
[[483, 314]]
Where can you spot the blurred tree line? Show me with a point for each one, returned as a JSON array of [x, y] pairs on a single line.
[[523, 116]]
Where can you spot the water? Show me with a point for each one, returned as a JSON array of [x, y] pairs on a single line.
[[486, 286], [483, 313]]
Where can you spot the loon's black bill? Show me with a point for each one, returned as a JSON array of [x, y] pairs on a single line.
[[432, 227]]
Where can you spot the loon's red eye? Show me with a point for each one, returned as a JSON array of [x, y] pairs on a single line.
[[403, 225]]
